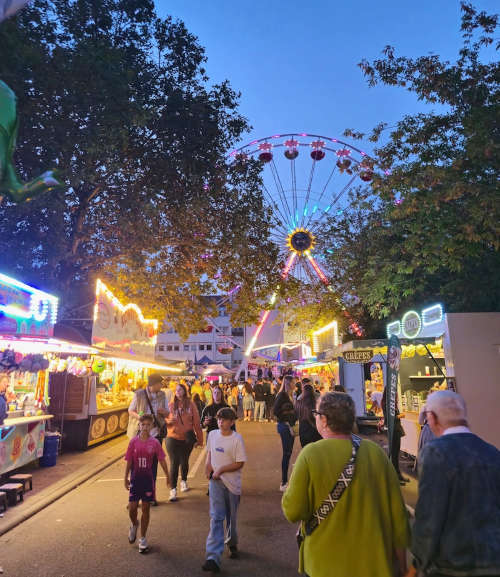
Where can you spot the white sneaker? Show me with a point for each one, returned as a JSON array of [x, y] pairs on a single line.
[[143, 545], [284, 487], [173, 495], [132, 533], [184, 486]]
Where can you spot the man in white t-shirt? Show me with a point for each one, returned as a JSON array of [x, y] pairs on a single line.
[[225, 459]]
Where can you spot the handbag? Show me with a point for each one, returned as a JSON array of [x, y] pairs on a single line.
[[190, 435], [162, 429], [330, 502]]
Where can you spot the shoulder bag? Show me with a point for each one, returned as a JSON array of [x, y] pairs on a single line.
[[162, 429], [330, 502], [190, 435]]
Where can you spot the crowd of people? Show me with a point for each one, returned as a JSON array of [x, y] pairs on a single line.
[[343, 491]]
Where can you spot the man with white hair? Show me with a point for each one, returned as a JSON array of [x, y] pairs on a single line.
[[457, 517]]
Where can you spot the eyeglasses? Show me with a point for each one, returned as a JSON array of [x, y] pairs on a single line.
[[317, 413]]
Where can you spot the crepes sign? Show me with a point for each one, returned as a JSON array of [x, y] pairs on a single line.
[[358, 356]]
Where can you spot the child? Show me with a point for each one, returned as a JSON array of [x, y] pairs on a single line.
[[225, 459], [139, 457]]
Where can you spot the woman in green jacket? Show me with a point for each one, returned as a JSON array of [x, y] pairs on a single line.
[[367, 532]]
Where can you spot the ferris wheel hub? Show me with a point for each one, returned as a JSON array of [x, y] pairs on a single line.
[[300, 240]]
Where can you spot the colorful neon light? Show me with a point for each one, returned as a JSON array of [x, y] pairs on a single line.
[[432, 315], [39, 302], [288, 266], [316, 268], [394, 328], [411, 330], [257, 332], [101, 288], [333, 326]]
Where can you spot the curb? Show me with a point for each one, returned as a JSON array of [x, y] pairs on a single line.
[[64, 488]]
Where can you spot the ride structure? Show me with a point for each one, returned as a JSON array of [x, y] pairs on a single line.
[[306, 180]]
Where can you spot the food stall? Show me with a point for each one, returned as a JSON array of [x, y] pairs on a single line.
[[27, 316], [94, 408], [321, 364], [363, 370]]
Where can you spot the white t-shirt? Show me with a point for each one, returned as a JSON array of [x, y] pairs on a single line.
[[225, 450]]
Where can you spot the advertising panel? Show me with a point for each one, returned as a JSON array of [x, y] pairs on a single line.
[[122, 328]]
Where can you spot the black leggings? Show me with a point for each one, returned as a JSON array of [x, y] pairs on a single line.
[[178, 455]]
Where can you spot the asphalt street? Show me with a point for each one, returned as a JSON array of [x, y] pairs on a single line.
[[84, 533]]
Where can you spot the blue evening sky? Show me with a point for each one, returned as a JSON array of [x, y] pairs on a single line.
[[295, 62]]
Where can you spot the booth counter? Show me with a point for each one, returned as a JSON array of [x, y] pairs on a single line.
[[21, 441]]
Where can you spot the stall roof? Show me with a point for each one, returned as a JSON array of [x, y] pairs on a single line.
[[31, 344], [137, 360]]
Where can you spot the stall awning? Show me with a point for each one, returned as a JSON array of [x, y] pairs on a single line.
[[139, 361], [30, 344]]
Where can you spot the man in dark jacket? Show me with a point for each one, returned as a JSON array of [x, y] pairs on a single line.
[[260, 401], [457, 517]]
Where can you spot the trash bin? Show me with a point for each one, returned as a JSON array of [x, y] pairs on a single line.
[[50, 449]]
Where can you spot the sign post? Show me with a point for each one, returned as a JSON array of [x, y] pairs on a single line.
[[393, 360]]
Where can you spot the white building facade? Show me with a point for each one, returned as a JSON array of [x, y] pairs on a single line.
[[220, 342]]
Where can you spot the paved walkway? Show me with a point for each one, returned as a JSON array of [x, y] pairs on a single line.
[[83, 532]]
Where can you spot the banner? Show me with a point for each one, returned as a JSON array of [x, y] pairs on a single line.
[[393, 360]]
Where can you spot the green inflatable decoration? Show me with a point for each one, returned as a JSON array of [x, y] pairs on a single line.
[[10, 185]]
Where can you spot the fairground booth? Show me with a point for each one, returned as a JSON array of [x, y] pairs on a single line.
[[453, 351], [94, 408], [321, 365], [28, 354]]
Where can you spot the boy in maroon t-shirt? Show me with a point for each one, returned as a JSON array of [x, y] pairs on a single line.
[[141, 486]]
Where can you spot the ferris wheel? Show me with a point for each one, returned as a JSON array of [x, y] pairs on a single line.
[[306, 180]]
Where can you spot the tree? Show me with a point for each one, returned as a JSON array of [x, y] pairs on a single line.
[[429, 227], [118, 101]]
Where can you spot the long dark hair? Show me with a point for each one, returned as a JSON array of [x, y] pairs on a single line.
[[186, 401], [306, 404]]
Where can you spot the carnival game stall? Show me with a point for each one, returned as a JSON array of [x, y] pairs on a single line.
[[27, 317], [322, 365], [96, 409]]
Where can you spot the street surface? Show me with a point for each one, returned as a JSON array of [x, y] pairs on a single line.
[[84, 533]]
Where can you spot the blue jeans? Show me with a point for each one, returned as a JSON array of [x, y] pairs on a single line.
[[260, 410], [223, 506], [287, 440]]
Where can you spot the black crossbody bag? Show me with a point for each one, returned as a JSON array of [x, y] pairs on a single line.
[[162, 429], [331, 500]]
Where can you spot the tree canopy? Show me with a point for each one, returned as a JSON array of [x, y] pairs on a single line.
[[428, 229], [119, 101]]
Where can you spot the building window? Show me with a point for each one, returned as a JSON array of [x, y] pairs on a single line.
[[186, 347], [209, 347], [237, 332], [161, 347], [176, 347], [222, 311], [169, 347], [201, 348], [193, 347]]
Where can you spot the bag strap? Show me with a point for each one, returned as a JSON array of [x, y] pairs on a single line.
[[336, 493], [151, 407]]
